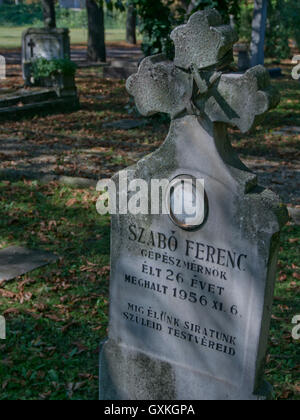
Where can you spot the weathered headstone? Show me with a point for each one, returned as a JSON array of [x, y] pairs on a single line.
[[243, 57], [49, 44], [190, 305], [46, 43]]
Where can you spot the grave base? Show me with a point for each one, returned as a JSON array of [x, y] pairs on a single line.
[[124, 375], [22, 103]]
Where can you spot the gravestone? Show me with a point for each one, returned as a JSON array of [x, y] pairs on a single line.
[[61, 93], [190, 304], [16, 261], [243, 57], [44, 43]]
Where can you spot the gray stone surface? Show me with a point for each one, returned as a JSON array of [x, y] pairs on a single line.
[[190, 309], [228, 99], [16, 261], [168, 89], [224, 99], [44, 43], [77, 182], [242, 51], [204, 32]]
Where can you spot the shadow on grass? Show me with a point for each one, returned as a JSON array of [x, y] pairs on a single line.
[[57, 318]]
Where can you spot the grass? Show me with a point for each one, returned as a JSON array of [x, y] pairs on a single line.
[[55, 329], [57, 315], [283, 361], [10, 37]]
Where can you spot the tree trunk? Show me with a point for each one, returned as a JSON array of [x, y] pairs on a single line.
[[96, 39], [259, 32], [131, 25], [49, 13]]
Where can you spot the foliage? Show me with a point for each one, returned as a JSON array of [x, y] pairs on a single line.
[[43, 68], [225, 7], [283, 24], [113, 4], [292, 10], [68, 18], [278, 30], [246, 22], [21, 14], [31, 14], [158, 17], [155, 23]]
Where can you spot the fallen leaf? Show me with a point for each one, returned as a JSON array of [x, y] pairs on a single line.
[[71, 202]]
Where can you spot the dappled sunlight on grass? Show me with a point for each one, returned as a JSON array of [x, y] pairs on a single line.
[[57, 315]]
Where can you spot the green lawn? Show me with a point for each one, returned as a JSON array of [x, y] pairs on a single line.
[[10, 37]]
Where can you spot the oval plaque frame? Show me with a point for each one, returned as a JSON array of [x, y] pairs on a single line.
[[178, 220]]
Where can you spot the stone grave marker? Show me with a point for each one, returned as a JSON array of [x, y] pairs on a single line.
[[190, 305], [46, 43], [243, 56], [16, 261]]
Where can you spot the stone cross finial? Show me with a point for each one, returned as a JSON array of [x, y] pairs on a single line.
[[198, 81], [204, 41]]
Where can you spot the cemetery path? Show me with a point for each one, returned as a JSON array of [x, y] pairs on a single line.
[[78, 54]]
